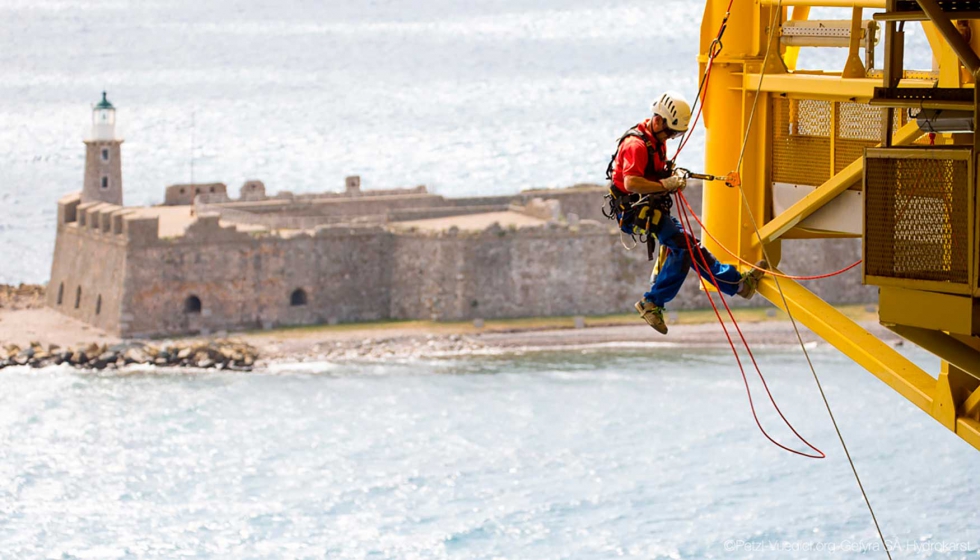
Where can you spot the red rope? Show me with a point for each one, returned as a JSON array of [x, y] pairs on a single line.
[[697, 116], [703, 88], [770, 272], [700, 254]]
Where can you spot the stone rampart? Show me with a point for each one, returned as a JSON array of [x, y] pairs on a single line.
[[547, 270], [441, 212], [216, 279], [90, 252], [112, 268], [345, 207], [585, 201], [282, 221]]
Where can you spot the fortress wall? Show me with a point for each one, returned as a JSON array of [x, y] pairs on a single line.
[[502, 273], [585, 201], [442, 212], [816, 256], [246, 282], [86, 272], [563, 271], [133, 282], [471, 201], [347, 207]]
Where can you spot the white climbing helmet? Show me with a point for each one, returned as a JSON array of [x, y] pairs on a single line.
[[674, 110]]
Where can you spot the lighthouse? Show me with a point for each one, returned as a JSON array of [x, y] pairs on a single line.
[[103, 161]]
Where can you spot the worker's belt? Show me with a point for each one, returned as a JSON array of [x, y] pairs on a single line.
[[639, 217]]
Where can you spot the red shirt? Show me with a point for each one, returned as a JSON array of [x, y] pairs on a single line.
[[632, 158]]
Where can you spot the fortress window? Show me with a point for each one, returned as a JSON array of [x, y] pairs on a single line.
[[105, 154], [192, 304], [78, 296], [105, 182], [98, 305], [297, 298], [212, 189], [61, 293]]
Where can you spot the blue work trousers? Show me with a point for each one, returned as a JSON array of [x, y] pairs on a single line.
[[678, 263]]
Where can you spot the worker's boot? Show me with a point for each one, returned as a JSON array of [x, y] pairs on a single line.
[[652, 314], [750, 279]]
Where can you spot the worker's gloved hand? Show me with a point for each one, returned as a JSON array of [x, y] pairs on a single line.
[[674, 184]]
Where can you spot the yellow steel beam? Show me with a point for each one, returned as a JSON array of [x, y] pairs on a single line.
[[971, 406], [875, 4], [969, 430], [944, 57], [854, 68], [945, 26], [895, 370], [952, 392], [810, 233], [936, 397], [971, 341], [828, 191], [934, 37], [941, 344], [935, 311], [829, 87]]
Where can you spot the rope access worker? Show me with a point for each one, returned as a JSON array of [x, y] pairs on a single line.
[[642, 180]]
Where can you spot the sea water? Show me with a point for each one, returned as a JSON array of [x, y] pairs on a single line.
[[646, 452], [468, 98]]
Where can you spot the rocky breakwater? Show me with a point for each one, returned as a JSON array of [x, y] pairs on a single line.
[[219, 354]]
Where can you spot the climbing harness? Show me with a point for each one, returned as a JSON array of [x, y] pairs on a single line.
[[639, 216], [655, 154]]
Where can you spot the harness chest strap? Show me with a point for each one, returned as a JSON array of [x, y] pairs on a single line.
[[655, 154]]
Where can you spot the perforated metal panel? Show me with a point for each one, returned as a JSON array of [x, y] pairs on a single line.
[[858, 127], [919, 216], [801, 141], [809, 134]]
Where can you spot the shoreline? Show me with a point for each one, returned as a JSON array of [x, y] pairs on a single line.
[[275, 349], [763, 327]]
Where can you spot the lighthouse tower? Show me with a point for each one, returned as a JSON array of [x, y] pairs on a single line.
[[103, 161]]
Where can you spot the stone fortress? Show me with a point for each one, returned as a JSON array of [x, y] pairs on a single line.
[[204, 262]]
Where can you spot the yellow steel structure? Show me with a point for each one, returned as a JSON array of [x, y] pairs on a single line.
[[848, 129]]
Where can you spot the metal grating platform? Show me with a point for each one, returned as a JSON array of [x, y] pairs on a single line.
[[812, 140], [918, 216]]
